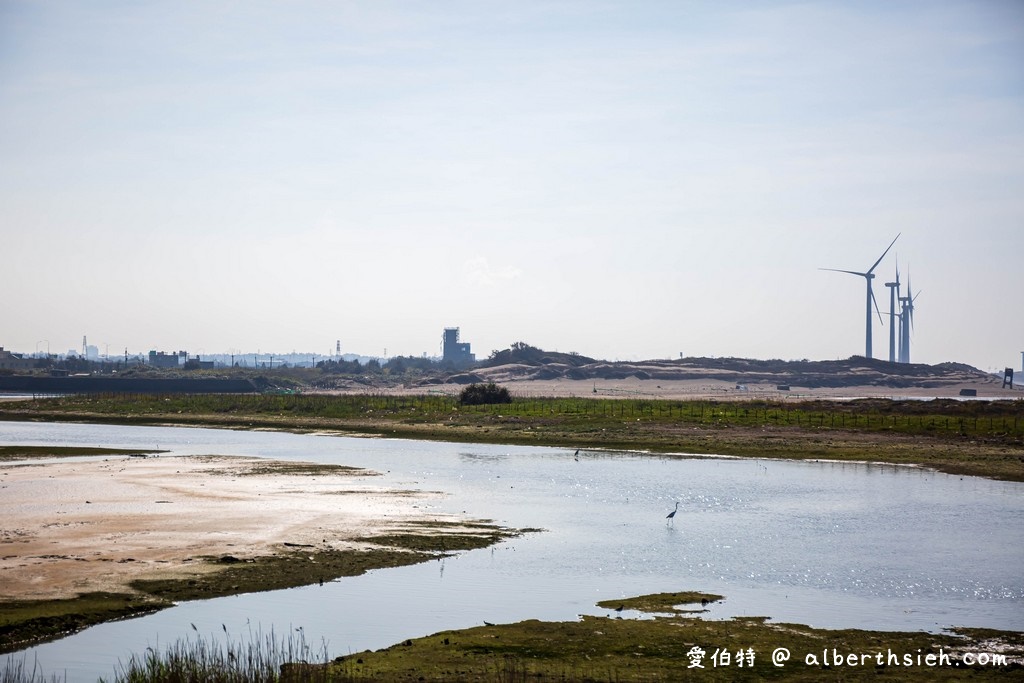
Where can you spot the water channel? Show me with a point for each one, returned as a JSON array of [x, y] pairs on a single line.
[[827, 544]]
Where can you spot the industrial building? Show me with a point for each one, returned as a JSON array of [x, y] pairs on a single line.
[[159, 359], [10, 361], [454, 352]]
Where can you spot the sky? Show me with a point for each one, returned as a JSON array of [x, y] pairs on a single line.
[[626, 180]]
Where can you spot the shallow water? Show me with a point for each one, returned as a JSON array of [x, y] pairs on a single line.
[[827, 544]]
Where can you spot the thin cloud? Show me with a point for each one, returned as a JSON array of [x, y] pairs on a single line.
[[479, 271]]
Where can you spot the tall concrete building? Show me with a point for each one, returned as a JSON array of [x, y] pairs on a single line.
[[455, 352], [159, 359]]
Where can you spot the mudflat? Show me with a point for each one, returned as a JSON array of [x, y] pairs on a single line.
[[72, 526]]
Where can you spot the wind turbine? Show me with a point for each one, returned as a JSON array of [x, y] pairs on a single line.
[[868, 277], [906, 321], [894, 293]]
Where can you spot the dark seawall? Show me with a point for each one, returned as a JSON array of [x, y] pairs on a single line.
[[102, 385]]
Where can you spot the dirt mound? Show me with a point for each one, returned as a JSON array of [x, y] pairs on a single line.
[[854, 371], [521, 353]]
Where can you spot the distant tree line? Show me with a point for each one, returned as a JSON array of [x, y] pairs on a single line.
[[525, 354], [398, 365], [345, 367]]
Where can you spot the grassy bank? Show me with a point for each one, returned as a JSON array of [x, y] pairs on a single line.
[[983, 438], [620, 647], [666, 648]]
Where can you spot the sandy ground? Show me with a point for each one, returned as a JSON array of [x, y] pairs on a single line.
[[632, 387], [80, 525]]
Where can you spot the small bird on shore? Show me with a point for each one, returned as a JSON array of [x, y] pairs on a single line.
[[576, 455], [671, 516]]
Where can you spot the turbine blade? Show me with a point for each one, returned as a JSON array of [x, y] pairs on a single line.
[[911, 309], [884, 253], [851, 272], [875, 302]]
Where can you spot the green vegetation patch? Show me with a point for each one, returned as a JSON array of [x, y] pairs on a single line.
[[300, 565], [244, 466], [661, 603], [448, 536], [26, 622], [294, 566], [303, 469], [23, 452], [616, 649]]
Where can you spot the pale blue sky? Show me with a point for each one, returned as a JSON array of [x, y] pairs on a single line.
[[623, 179]]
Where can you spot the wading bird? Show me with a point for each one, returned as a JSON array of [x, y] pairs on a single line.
[[671, 516]]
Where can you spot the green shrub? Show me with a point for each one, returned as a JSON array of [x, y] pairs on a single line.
[[481, 394]]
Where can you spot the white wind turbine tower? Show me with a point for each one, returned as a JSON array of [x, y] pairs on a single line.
[[870, 295], [894, 294], [906, 320]]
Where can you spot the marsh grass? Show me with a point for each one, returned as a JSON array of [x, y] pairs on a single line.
[[940, 417], [256, 658], [666, 603], [981, 438], [662, 649], [19, 671]]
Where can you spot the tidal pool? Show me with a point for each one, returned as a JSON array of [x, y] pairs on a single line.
[[833, 545]]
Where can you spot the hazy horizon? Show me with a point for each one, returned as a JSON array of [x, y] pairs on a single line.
[[243, 357], [624, 180]]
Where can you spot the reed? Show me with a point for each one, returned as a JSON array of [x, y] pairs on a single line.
[[18, 670], [256, 658]]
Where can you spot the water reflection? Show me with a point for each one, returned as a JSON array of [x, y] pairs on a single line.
[[829, 544]]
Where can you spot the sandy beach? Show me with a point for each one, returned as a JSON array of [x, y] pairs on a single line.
[[702, 389], [80, 525]]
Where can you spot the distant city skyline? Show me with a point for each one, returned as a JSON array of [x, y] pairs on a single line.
[[623, 180], [94, 353]]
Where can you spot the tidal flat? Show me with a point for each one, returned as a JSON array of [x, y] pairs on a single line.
[[115, 534]]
